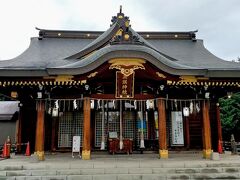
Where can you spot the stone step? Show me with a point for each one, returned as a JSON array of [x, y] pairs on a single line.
[[107, 165], [106, 171], [110, 170], [129, 176]]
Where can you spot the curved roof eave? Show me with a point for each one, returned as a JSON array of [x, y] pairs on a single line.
[[125, 51], [101, 40], [23, 72]]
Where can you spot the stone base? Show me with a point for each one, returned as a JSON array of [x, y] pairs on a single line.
[[163, 154], [86, 155], [207, 153], [40, 155], [215, 156]]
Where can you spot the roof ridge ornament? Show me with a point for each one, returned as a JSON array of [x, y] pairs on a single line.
[[120, 9], [124, 35]]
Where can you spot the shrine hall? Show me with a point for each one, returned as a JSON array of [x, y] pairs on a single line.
[[119, 91]]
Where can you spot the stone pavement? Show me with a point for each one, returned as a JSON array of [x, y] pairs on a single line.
[[180, 165]]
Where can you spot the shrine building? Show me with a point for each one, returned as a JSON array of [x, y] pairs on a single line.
[[120, 90]]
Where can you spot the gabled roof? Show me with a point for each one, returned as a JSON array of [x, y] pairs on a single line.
[[57, 52]]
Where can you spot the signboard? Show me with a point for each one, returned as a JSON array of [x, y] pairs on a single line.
[[76, 145], [124, 85], [177, 128]]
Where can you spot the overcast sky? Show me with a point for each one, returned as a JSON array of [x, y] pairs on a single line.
[[217, 21]]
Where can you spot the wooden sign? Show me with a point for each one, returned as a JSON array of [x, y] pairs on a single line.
[[124, 85]]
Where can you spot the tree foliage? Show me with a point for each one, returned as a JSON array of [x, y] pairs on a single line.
[[230, 114]]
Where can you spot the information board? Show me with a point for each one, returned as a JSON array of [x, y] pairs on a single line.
[[76, 145], [177, 128]]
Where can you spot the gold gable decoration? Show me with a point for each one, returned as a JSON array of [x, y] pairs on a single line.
[[127, 66]]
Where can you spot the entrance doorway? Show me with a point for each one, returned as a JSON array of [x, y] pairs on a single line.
[[136, 121]]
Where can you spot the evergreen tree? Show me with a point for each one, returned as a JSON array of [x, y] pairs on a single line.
[[230, 115]]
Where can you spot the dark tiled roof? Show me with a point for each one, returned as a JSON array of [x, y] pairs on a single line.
[[77, 52]]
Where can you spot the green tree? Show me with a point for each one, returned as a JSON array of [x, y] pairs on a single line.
[[230, 115]]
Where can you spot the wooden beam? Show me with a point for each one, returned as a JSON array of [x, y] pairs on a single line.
[[86, 151], [112, 96], [207, 146], [162, 131], [39, 144]]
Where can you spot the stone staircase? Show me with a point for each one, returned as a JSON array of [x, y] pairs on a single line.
[[119, 169], [125, 172]]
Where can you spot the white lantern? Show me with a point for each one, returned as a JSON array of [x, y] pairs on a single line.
[[55, 109], [150, 104], [75, 106], [55, 112], [92, 104], [186, 111], [39, 95], [207, 95]]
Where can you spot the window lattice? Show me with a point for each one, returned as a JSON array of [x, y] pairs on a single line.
[[70, 124], [98, 129], [128, 125]]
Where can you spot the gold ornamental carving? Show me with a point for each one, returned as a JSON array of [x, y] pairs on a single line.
[[160, 75], [92, 74], [188, 79], [127, 66]]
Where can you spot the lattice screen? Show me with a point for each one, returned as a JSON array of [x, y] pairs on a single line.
[[113, 122], [128, 125], [70, 124], [98, 128]]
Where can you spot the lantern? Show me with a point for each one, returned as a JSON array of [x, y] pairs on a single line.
[[92, 104], [185, 111]]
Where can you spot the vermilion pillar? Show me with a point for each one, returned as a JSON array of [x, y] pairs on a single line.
[[19, 130], [207, 146], [39, 144], [187, 133], [219, 126], [54, 124], [163, 151], [86, 151]]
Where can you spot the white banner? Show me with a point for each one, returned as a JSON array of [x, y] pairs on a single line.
[[177, 128]]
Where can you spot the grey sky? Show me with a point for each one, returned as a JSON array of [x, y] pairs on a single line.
[[217, 21]]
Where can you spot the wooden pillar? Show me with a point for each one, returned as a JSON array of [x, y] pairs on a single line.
[[187, 133], [219, 126], [53, 141], [39, 144], [162, 130], [86, 151], [207, 146]]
